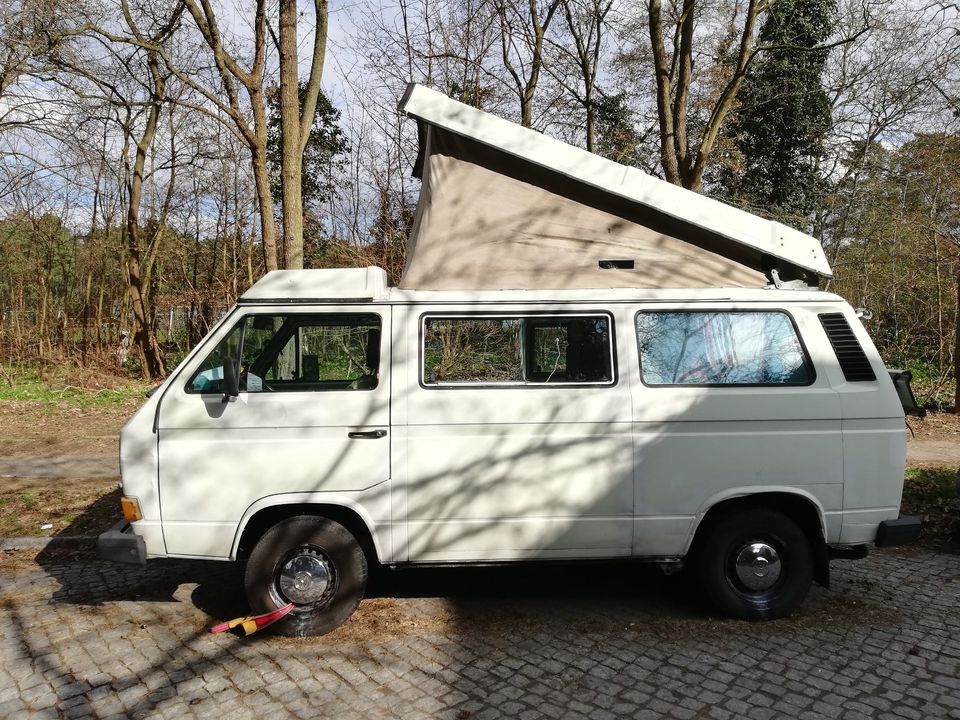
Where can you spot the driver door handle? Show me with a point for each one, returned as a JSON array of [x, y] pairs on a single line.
[[367, 434]]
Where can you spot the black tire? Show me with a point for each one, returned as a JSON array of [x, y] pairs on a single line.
[[742, 534], [323, 544]]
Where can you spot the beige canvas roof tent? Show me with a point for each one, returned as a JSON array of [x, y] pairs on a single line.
[[505, 207]]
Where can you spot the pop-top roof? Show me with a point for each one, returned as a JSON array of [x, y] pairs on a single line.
[[369, 283], [745, 235]]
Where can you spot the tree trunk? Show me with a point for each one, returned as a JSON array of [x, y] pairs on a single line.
[[151, 357], [956, 350], [661, 69], [42, 332], [291, 157], [99, 320], [268, 230], [261, 175], [86, 320], [591, 122]]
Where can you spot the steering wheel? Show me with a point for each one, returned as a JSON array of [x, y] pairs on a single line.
[[245, 372]]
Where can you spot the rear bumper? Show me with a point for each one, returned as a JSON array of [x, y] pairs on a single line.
[[902, 531], [121, 544]]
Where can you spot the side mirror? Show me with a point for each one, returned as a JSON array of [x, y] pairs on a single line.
[[231, 384], [901, 381]]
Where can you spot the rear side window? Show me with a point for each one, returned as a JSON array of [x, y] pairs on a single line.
[[517, 350], [721, 348]]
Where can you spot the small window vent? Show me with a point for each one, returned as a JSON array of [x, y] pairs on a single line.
[[616, 264], [853, 361]]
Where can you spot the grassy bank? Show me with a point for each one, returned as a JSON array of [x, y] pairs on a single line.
[[68, 384]]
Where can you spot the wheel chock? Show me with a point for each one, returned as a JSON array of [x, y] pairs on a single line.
[[251, 623]]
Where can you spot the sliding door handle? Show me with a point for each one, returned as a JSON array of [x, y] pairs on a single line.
[[367, 434]]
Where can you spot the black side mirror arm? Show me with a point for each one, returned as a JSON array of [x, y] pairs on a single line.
[[231, 383]]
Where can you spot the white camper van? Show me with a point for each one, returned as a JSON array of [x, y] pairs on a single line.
[[579, 362]]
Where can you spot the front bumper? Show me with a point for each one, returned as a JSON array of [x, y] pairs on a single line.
[[905, 529], [121, 544]]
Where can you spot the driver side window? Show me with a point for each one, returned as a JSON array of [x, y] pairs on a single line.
[[296, 353]]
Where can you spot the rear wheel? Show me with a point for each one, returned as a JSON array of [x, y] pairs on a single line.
[[756, 563], [313, 562]]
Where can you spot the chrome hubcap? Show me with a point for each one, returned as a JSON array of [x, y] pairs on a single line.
[[305, 578], [758, 566]]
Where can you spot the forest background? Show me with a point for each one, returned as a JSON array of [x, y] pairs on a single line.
[[156, 158]]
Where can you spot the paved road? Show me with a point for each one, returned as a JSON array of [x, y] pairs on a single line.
[[87, 639]]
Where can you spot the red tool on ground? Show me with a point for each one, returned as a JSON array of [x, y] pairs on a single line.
[[251, 623]]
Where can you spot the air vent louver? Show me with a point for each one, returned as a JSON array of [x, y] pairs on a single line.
[[853, 361]]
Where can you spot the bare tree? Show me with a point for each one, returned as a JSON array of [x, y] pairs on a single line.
[[683, 159], [296, 119], [134, 83], [522, 32], [230, 72], [884, 83], [586, 22]]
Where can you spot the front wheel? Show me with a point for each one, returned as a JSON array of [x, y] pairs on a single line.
[[313, 562], [756, 564]]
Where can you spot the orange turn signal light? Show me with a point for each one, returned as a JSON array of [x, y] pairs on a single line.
[[130, 507]]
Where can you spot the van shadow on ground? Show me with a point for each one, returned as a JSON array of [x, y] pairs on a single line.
[[217, 590], [83, 579], [540, 591], [546, 584], [534, 597]]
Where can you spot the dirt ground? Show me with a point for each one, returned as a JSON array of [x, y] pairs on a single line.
[[14, 559], [74, 506], [30, 428], [934, 440], [936, 426]]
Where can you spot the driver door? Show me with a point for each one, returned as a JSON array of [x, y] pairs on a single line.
[[311, 416]]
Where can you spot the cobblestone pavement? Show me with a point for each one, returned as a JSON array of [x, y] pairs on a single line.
[[87, 639]]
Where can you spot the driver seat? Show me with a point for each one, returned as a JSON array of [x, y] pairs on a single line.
[[372, 362]]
